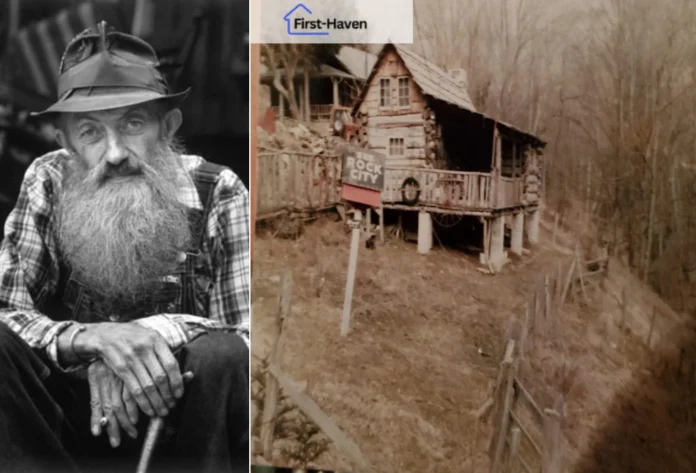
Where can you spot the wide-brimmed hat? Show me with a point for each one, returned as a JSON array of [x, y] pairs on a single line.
[[102, 70]]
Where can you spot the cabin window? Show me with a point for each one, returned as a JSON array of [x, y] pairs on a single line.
[[513, 159], [507, 154], [396, 146], [404, 92], [384, 92]]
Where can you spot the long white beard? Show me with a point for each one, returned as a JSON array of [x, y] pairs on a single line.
[[120, 235]]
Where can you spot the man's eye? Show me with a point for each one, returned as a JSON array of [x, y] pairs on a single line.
[[88, 133], [134, 125]]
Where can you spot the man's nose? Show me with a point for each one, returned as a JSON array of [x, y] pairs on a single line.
[[115, 150]]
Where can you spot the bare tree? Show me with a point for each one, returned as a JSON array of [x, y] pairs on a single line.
[[610, 85]]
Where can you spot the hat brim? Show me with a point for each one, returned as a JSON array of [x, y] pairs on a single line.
[[96, 103]]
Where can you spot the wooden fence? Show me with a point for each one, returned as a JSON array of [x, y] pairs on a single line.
[[526, 435], [526, 438], [296, 182]]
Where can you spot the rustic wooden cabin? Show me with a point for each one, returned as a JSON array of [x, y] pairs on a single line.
[[445, 158]]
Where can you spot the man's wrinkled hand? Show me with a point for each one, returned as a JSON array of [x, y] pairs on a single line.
[[139, 357], [110, 400]]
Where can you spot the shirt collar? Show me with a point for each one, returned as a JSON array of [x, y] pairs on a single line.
[[187, 193]]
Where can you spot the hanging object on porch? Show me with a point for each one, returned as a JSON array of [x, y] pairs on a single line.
[[410, 191], [447, 220]]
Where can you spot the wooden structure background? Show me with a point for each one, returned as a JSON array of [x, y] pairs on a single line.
[[337, 80], [295, 182], [422, 118]]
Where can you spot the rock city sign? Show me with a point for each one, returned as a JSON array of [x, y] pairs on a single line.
[[363, 168]]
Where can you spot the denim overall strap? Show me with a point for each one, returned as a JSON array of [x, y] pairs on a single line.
[[205, 178]]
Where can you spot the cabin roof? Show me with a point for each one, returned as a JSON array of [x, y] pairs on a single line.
[[435, 81], [437, 84], [357, 62], [432, 80]]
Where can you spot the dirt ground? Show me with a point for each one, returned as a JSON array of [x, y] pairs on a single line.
[[406, 381]]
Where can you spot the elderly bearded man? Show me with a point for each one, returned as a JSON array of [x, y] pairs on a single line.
[[124, 265]]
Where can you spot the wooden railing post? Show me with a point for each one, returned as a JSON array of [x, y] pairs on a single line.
[[552, 442]]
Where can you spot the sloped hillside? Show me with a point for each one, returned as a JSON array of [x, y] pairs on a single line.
[[405, 383]]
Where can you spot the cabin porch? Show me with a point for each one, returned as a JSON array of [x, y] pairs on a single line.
[[498, 202], [316, 94], [471, 193]]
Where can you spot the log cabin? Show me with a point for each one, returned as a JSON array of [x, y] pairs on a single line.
[[445, 158]]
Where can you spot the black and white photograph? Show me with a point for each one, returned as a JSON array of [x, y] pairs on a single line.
[[124, 262]]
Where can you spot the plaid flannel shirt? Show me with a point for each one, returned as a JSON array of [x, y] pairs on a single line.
[[29, 267]]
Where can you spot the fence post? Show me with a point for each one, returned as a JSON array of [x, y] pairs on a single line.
[[568, 282], [515, 437], [552, 442], [508, 370], [536, 307], [272, 395]]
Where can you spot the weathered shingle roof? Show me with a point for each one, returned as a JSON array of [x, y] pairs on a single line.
[[434, 81], [431, 79], [359, 63]]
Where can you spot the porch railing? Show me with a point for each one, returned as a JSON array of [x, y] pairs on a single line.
[[320, 112], [440, 188]]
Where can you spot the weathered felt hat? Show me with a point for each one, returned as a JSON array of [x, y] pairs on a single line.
[[102, 70]]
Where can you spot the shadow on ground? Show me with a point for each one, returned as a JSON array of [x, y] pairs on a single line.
[[653, 428]]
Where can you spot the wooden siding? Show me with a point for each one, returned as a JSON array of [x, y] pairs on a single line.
[[510, 192], [395, 121], [391, 67], [379, 134], [296, 182]]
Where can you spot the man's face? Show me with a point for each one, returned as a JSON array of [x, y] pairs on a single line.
[[121, 225], [116, 139]]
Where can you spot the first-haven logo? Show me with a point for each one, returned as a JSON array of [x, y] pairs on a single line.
[[298, 25]]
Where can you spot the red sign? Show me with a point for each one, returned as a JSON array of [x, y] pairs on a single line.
[[361, 195]]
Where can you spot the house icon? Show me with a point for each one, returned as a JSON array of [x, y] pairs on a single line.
[[292, 13]]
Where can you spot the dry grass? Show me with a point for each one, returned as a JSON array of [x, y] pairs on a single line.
[[405, 382]]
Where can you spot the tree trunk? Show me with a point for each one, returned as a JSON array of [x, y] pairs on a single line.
[[307, 105], [651, 214]]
